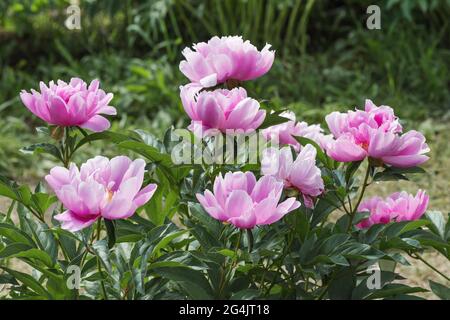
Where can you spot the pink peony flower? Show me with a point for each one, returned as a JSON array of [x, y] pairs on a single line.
[[101, 188], [374, 133], [221, 109], [286, 132], [301, 174], [244, 202], [225, 58], [73, 104], [399, 206]]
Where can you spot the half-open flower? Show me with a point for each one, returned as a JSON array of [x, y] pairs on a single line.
[[399, 206], [221, 109], [301, 174], [244, 202], [101, 188], [223, 59], [72, 104]]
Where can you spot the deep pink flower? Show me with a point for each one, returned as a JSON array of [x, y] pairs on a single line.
[[286, 132], [399, 206], [221, 109], [225, 58], [72, 104], [244, 202], [374, 133], [301, 174], [101, 188]]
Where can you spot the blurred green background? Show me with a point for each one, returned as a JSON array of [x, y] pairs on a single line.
[[326, 58]]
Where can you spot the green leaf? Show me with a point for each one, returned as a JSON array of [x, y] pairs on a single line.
[[246, 294], [438, 222], [149, 152], [29, 282], [394, 289], [12, 249], [42, 201], [351, 169], [332, 243], [394, 174], [43, 148], [440, 290], [342, 285], [111, 232], [101, 250], [413, 225], [105, 135], [7, 189], [192, 281], [16, 235], [387, 176], [37, 255], [166, 240], [273, 119], [46, 240]]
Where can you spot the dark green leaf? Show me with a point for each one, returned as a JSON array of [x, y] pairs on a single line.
[[440, 290], [111, 232]]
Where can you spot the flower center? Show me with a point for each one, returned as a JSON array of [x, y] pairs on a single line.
[[109, 195], [365, 146]]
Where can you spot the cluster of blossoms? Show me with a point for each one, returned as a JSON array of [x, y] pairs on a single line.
[[374, 133], [113, 189], [223, 60], [101, 187]]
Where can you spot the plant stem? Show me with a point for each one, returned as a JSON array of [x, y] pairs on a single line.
[[233, 264], [361, 195], [99, 266], [417, 256]]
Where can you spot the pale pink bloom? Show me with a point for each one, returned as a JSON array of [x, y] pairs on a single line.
[[380, 212], [244, 202], [101, 188], [301, 174], [221, 109], [407, 207], [399, 206], [225, 58], [285, 133], [72, 104], [374, 133]]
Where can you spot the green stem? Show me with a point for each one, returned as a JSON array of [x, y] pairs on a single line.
[[417, 256], [250, 240], [361, 195], [99, 264], [233, 264]]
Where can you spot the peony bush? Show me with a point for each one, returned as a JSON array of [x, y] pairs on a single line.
[[244, 203]]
